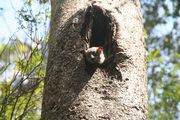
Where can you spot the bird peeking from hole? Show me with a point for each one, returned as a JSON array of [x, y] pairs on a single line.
[[97, 56], [94, 55]]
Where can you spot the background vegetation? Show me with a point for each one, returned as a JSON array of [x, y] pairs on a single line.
[[23, 55]]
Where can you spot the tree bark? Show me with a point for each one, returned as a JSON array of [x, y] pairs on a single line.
[[74, 90]]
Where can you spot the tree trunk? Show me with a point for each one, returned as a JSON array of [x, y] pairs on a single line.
[[76, 90]]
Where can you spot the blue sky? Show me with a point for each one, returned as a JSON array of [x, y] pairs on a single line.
[[8, 22]]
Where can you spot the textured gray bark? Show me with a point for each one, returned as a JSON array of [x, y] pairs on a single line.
[[116, 92]]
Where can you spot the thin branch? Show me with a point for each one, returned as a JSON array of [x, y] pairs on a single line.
[[26, 106], [12, 113]]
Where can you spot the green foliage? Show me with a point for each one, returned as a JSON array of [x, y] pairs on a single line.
[[27, 66], [22, 64], [162, 27], [19, 106], [17, 102], [12, 49], [154, 54]]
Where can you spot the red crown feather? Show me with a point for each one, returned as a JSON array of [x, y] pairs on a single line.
[[100, 49]]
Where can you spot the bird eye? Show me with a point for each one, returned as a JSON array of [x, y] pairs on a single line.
[[92, 56]]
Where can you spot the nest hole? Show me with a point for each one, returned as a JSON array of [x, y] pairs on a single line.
[[98, 29]]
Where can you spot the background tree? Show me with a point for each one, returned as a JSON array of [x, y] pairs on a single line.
[[76, 90]]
